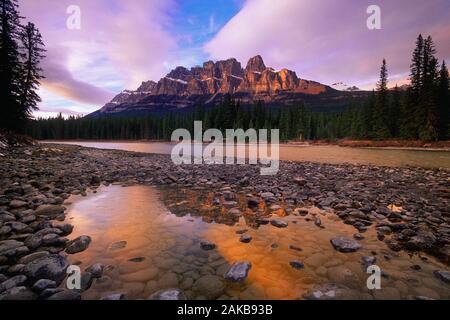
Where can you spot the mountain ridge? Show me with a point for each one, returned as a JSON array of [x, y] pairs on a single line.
[[207, 84]]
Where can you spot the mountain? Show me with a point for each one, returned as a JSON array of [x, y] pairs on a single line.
[[183, 88], [340, 86]]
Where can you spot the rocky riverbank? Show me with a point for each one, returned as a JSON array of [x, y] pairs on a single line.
[[409, 207]]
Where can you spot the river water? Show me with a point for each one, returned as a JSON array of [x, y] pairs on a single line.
[[149, 239], [323, 154]]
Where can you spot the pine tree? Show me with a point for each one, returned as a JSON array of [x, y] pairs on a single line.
[[443, 103], [9, 64], [427, 103], [33, 53], [381, 130], [395, 112]]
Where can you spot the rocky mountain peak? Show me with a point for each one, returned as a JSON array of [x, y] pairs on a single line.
[[255, 64]]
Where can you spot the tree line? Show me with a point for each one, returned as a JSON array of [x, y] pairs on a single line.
[[21, 51]]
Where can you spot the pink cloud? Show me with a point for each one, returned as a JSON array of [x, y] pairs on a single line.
[[120, 44], [328, 40]]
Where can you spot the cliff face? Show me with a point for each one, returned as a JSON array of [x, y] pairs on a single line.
[[184, 87]]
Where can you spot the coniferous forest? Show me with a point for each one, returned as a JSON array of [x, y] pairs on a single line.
[[421, 112]]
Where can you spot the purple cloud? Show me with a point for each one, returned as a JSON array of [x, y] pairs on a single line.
[[329, 41]]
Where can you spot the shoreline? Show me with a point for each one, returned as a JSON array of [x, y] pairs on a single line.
[[443, 146], [36, 181]]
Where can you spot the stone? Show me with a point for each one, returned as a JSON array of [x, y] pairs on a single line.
[[295, 248], [358, 236], [296, 264], [78, 245], [43, 284], [96, 270], [49, 210], [278, 223], [168, 294], [12, 282], [18, 293], [368, 261], [118, 245], [9, 248], [245, 238], [442, 275], [206, 245], [238, 271], [65, 295], [51, 267], [345, 245], [15, 204], [329, 291], [210, 286], [114, 296]]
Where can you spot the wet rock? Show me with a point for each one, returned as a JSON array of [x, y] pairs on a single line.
[[326, 292], [168, 294], [245, 238], [43, 284], [96, 270], [278, 223], [293, 247], [49, 210], [12, 282], [12, 248], [18, 293], [65, 295], [318, 222], [86, 281], [78, 245], [241, 231], [51, 267], [114, 296], [206, 245], [253, 203], [368, 261], [358, 236], [262, 221], [36, 240], [65, 228], [238, 272], [118, 245], [209, 286], [296, 264], [442, 275], [15, 204], [345, 245]]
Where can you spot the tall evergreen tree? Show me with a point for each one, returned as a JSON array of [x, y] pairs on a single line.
[[428, 125], [381, 129], [10, 70], [32, 53], [443, 103]]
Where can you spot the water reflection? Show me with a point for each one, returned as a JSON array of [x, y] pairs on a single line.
[[147, 248]]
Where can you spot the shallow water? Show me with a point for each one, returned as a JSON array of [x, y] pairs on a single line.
[[162, 230], [323, 154]]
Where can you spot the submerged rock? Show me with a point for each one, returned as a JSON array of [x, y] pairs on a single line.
[[296, 264], [118, 245], [78, 245], [166, 294], [209, 286], [278, 223], [238, 272], [345, 245], [206, 245], [245, 238], [442, 275]]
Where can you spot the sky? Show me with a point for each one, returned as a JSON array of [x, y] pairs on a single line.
[[121, 43]]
